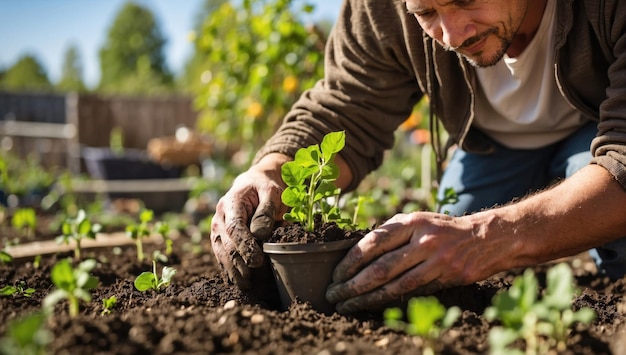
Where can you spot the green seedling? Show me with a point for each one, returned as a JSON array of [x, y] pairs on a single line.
[[77, 229], [19, 289], [450, 197], [149, 280], [163, 228], [108, 304], [5, 257], [426, 318], [543, 323], [139, 231], [26, 335], [25, 220], [310, 180], [71, 284]]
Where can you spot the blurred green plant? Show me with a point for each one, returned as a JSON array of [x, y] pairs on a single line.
[[23, 176], [77, 229], [25, 221], [259, 56], [26, 335], [73, 284], [426, 318], [543, 323], [72, 72], [27, 74]]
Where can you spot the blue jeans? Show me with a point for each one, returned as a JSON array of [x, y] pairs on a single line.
[[484, 181]]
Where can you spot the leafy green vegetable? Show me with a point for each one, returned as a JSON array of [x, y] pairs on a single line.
[[71, 284], [150, 280], [310, 180]]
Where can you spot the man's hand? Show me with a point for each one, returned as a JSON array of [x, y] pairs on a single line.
[[410, 255], [246, 214]]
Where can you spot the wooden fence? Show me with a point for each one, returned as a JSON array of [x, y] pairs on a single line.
[[54, 127]]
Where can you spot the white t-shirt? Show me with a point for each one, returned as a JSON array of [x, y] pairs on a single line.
[[518, 103]]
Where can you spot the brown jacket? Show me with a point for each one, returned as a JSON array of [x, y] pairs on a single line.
[[379, 63]]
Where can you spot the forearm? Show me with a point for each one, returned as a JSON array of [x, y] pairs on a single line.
[[582, 212]]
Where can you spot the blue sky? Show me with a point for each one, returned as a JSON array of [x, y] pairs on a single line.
[[46, 28]]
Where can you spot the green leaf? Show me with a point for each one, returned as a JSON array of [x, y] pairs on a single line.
[[62, 275], [7, 290], [293, 196], [423, 313], [332, 143], [146, 281], [5, 257], [560, 287], [167, 275]]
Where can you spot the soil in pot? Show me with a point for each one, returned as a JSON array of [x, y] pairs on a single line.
[[303, 262]]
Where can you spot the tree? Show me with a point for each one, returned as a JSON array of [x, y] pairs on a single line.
[[27, 74], [132, 59], [72, 73]]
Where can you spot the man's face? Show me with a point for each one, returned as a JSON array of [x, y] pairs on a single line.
[[480, 30]]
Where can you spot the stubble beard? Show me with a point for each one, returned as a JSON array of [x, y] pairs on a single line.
[[476, 59]]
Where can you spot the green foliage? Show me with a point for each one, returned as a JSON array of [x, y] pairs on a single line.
[[71, 284], [141, 230], [543, 323], [108, 304], [132, 59], [27, 74], [310, 180], [426, 317], [71, 74], [25, 220], [163, 228], [26, 175], [149, 280], [19, 289], [253, 60], [26, 336], [5, 257], [77, 229]]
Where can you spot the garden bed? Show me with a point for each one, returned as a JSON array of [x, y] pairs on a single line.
[[201, 313]]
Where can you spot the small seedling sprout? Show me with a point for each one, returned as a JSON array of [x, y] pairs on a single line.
[[426, 318], [543, 323], [108, 304], [71, 284], [77, 229], [149, 280], [139, 231], [26, 335], [5, 257], [19, 289], [25, 220], [163, 228]]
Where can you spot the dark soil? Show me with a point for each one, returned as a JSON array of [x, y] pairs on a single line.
[[201, 313]]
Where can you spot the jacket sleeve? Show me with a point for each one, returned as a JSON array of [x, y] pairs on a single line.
[[609, 146], [369, 88]]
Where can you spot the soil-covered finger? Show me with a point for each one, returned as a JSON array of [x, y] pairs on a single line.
[[246, 244], [262, 223]]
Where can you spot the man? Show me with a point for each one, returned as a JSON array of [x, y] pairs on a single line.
[[521, 86]]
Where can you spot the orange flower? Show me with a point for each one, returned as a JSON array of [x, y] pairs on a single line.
[[412, 121], [290, 84], [255, 110]]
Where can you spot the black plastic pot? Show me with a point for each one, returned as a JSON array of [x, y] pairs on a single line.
[[304, 271], [132, 164]]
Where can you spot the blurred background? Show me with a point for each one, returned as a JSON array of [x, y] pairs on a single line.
[[99, 97]]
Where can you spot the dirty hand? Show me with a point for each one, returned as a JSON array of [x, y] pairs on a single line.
[[246, 214], [409, 255]]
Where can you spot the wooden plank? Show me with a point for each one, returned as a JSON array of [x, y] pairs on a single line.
[[38, 129], [47, 247]]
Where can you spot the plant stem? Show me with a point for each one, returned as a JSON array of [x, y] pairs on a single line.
[[139, 245], [77, 249], [73, 306]]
